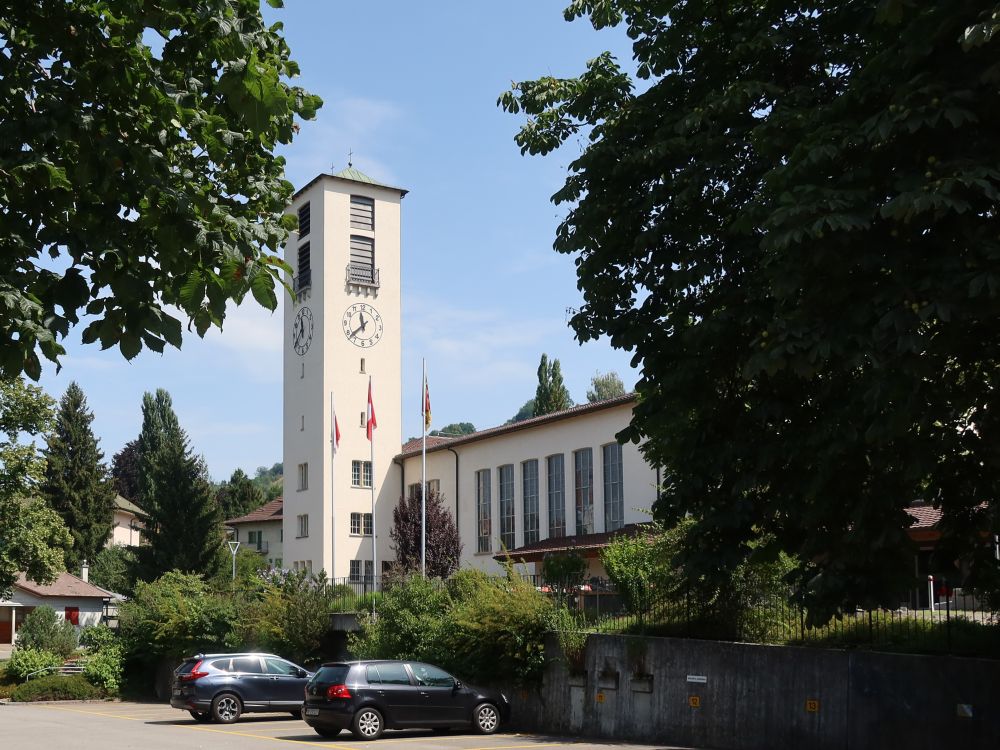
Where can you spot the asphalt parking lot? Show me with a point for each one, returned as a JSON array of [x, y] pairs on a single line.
[[147, 726]]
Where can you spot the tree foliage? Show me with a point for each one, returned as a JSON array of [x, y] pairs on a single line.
[[32, 536], [238, 496], [113, 569], [443, 545], [527, 411], [77, 484], [455, 428], [44, 630], [138, 146], [604, 386], [125, 471], [551, 394], [792, 223]]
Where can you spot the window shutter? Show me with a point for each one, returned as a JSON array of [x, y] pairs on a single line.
[[304, 217], [362, 212]]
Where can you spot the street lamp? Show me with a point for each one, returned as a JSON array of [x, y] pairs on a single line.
[[233, 546]]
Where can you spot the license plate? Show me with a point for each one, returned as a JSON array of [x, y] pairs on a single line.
[[312, 712], [177, 692]]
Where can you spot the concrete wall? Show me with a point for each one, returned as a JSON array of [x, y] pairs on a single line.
[[748, 697]]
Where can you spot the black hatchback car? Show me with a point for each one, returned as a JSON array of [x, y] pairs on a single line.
[[368, 697], [221, 687]]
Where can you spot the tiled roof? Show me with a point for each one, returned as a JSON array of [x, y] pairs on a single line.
[[267, 512], [66, 584], [412, 448], [924, 516], [433, 441], [580, 543]]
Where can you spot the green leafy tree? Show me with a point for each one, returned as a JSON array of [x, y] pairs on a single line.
[[410, 615], [125, 471], [456, 428], [443, 545], [270, 481], [551, 394], [605, 386], [525, 412], [76, 483], [238, 496], [113, 569], [636, 565], [806, 196], [44, 630], [33, 538], [139, 146]]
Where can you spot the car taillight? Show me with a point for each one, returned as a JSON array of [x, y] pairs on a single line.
[[337, 691], [194, 674]]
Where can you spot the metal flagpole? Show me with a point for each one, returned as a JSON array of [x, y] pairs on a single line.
[[371, 431], [423, 476], [334, 437]]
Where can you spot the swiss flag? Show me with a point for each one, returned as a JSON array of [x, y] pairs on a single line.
[[371, 424]]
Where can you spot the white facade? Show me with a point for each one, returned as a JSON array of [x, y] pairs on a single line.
[[333, 346], [263, 537], [127, 528]]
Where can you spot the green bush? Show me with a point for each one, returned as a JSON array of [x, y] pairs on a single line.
[[56, 688], [410, 613], [97, 637], [104, 669], [44, 630], [24, 661]]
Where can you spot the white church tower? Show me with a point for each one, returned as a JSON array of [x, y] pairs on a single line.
[[342, 329]]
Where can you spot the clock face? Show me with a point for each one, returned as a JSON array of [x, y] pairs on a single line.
[[362, 325], [302, 330]]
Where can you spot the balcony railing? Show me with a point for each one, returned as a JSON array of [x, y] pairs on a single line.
[[362, 274], [260, 547]]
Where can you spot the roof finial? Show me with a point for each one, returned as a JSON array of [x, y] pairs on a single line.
[[350, 159]]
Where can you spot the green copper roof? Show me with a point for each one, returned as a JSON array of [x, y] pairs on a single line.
[[353, 174]]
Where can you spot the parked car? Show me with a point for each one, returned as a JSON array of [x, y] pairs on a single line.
[[368, 697], [222, 687]]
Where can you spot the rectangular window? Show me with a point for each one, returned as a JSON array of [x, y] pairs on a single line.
[[362, 212], [433, 488], [557, 495], [529, 494], [583, 487], [505, 481], [361, 473], [614, 496], [303, 476], [355, 571], [303, 279], [483, 511], [369, 570], [303, 525], [254, 539], [362, 267], [72, 615], [304, 216], [361, 524]]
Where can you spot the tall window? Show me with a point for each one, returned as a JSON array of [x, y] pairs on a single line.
[[483, 511], [362, 268], [356, 568], [583, 486], [506, 482], [304, 217], [303, 524], [361, 524], [361, 473], [254, 539], [303, 476], [433, 488], [355, 571], [304, 277], [614, 496], [362, 212], [529, 493], [557, 495]]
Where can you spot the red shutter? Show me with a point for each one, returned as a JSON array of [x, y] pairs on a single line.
[[73, 615]]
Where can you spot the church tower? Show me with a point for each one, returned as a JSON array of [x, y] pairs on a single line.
[[342, 329]]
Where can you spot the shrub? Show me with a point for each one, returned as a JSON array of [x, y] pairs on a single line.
[[43, 630], [56, 688], [97, 637], [410, 613], [24, 661], [104, 669]]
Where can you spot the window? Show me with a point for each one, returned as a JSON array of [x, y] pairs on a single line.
[[356, 568], [362, 212], [583, 486], [362, 266], [529, 494], [254, 539], [614, 499], [483, 510], [361, 473], [429, 676], [279, 666], [362, 365], [361, 523], [303, 476], [433, 488], [247, 665], [387, 674], [303, 522], [557, 491], [355, 572], [72, 615], [303, 279], [505, 481], [304, 215], [369, 570]]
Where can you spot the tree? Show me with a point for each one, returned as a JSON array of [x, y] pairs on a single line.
[[159, 427], [456, 428], [525, 412], [238, 496], [793, 226], [149, 167], [551, 394], [77, 484], [32, 536], [270, 481], [113, 568], [605, 386], [125, 471], [443, 545]]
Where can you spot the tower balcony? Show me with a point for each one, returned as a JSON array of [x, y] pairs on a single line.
[[362, 274]]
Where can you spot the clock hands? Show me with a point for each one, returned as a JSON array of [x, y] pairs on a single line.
[[361, 328]]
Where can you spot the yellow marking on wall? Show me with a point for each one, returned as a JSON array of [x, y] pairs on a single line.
[[812, 706], [694, 701]]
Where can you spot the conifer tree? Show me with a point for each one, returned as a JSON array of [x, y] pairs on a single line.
[[159, 427], [238, 496], [125, 471], [551, 394], [77, 485]]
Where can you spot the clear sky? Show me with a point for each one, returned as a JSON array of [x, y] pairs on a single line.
[[411, 89]]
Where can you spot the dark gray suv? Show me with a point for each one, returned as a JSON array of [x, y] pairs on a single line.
[[221, 687]]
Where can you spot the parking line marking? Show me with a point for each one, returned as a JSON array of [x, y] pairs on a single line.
[[269, 739]]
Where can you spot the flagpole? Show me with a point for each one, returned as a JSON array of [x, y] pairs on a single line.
[[371, 409], [423, 475], [333, 483]]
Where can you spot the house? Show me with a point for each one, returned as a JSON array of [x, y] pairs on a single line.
[[127, 529], [73, 598], [261, 530]]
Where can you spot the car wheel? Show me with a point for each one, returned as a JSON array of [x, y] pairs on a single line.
[[202, 717], [367, 724], [486, 719], [226, 708], [326, 731]]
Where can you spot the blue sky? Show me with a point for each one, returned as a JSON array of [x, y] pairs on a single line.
[[411, 89]]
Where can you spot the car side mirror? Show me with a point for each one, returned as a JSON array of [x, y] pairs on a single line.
[[303, 673], [458, 685]]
